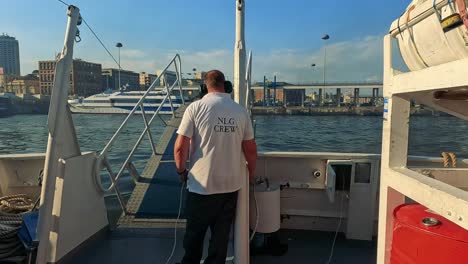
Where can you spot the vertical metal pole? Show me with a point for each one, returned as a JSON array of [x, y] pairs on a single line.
[[239, 55], [324, 72], [320, 95], [274, 91], [302, 97], [264, 91], [241, 235], [119, 68], [338, 97], [324, 63]]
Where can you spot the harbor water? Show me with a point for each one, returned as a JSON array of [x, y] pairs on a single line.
[[429, 135]]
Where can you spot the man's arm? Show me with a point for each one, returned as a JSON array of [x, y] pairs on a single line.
[[181, 148], [249, 147]]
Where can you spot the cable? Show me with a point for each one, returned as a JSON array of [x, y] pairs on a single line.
[[256, 214], [338, 227], [98, 39], [63, 2], [174, 245], [95, 35]]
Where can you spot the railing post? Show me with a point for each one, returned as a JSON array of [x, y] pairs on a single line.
[[150, 137]]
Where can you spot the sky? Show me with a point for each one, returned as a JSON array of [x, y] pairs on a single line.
[[284, 36]]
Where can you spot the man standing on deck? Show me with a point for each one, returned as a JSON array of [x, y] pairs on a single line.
[[220, 136]]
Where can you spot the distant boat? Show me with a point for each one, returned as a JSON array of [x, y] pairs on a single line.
[[6, 106], [123, 103]]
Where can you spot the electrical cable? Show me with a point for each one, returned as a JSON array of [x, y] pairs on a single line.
[[338, 227], [96, 36], [63, 2], [174, 245], [99, 40], [256, 214]]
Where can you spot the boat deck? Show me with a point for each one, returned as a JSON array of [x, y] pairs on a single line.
[[146, 233], [153, 245]]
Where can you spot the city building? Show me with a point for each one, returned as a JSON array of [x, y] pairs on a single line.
[[270, 96], [146, 79], [168, 77], [129, 80], [21, 86], [294, 97], [200, 75], [2, 80], [85, 77], [9, 55]]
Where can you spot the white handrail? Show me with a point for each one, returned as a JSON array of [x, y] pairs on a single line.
[[102, 161], [248, 80]]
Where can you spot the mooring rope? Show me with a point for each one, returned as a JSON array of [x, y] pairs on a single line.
[[449, 157], [12, 208]]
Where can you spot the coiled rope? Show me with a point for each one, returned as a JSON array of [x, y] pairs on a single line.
[[11, 210], [449, 157]]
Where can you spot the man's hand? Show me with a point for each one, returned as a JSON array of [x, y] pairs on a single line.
[[183, 175]]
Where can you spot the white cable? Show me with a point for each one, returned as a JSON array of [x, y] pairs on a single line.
[[174, 245], [256, 214], [337, 228]]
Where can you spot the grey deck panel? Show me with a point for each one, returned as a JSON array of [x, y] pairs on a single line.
[[153, 246], [156, 194]]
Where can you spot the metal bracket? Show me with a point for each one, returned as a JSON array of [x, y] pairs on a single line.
[[240, 5]]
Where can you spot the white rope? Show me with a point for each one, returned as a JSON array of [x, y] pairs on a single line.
[[174, 245], [256, 214], [338, 227]]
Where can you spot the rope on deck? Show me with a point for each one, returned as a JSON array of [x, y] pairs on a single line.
[[11, 210]]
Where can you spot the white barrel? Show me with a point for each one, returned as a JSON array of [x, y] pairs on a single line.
[[421, 37], [268, 206]]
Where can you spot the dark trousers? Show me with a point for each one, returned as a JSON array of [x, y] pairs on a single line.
[[215, 211]]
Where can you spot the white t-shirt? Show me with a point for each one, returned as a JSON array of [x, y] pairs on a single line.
[[216, 126]]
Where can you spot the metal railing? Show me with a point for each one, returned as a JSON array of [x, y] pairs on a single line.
[[248, 87], [249, 102], [331, 83], [102, 161]]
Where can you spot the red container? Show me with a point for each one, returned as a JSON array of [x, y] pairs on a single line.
[[421, 236]]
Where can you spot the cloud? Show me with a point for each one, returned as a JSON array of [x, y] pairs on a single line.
[[132, 53], [356, 60], [359, 59]]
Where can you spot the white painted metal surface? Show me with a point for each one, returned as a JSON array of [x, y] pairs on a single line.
[[422, 41], [78, 206], [362, 199], [305, 203], [398, 181], [241, 235], [68, 194], [19, 174], [62, 140]]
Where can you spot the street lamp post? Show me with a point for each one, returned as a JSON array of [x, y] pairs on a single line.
[[325, 38], [119, 45]]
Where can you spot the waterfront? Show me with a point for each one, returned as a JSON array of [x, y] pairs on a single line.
[[428, 135]]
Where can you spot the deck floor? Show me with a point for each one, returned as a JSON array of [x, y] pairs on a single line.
[[141, 245]]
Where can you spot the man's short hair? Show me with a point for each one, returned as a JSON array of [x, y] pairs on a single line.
[[214, 79]]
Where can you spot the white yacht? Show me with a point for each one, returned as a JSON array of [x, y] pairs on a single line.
[[124, 102], [308, 207]]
